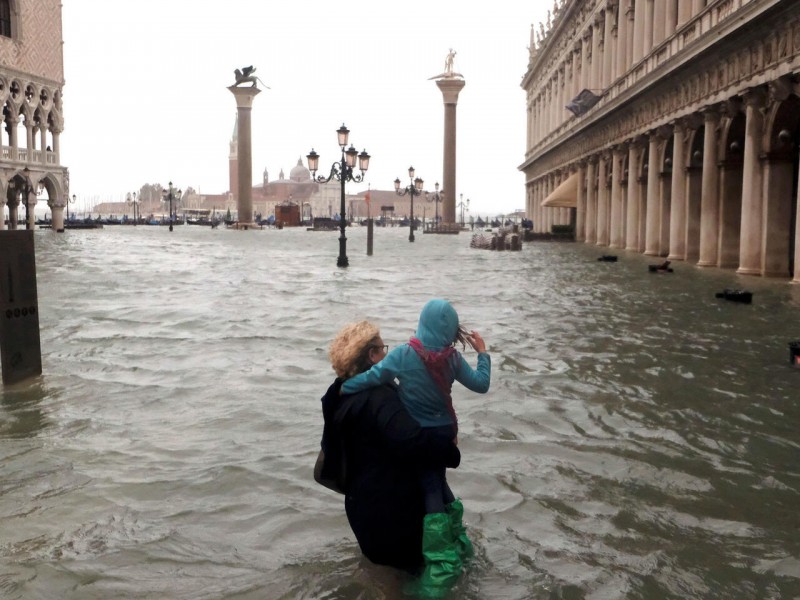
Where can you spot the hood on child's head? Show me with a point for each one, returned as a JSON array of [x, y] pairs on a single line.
[[438, 324]]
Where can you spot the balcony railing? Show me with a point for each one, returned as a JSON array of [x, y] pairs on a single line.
[[50, 157]]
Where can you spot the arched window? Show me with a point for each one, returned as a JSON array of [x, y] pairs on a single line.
[[5, 18]]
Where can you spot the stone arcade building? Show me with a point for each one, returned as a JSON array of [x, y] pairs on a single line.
[[31, 81], [687, 146]]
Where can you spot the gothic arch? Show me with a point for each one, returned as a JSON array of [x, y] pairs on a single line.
[[50, 183], [4, 89]]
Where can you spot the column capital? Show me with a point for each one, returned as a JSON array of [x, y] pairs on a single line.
[[711, 114], [663, 131], [244, 95], [693, 121], [450, 88], [755, 97], [780, 89], [678, 124], [638, 142], [731, 107]]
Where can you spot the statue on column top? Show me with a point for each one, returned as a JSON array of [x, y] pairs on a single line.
[[246, 75], [448, 62], [448, 67]]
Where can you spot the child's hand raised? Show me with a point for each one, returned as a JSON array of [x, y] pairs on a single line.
[[475, 340]]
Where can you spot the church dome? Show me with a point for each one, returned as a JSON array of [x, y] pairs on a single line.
[[299, 172]]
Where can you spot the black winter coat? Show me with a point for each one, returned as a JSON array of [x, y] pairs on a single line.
[[384, 448]]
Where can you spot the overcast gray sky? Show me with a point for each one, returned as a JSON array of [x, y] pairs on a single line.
[[146, 97]]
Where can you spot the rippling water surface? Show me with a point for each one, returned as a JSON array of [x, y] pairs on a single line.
[[640, 438]]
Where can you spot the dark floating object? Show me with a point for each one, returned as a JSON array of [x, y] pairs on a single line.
[[794, 353], [662, 268], [608, 258], [742, 296]]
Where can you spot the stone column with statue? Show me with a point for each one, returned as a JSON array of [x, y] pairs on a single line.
[[450, 83], [244, 103]]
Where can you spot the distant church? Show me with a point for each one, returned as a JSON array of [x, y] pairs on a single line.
[[313, 199]]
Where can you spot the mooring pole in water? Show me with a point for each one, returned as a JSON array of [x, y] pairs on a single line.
[[20, 347], [369, 237]]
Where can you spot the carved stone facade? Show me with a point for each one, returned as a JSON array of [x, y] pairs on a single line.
[[31, 84], [692, 149]]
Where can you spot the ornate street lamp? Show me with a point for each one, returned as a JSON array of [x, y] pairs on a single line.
[[412, 189], [133, 201], [436, 198], [343, 172], [72, 200], [170, 194], [462, 205]]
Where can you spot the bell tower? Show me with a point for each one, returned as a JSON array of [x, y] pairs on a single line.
[[233, 161]]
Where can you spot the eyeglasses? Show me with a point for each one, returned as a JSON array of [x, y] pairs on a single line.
[[385, 347]]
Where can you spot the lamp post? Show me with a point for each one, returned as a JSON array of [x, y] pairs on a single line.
[[462, 205], [436, 199], [72, 200], [412, 189], [343, 172], [170, 194], [133, 202]]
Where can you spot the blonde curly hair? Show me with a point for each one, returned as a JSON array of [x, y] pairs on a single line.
[[349, 351]]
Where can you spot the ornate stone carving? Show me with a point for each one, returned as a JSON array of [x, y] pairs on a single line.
[[731, 107], [755, 96], [780, 88]]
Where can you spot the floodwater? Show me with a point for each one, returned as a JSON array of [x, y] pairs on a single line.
[[640, 438]]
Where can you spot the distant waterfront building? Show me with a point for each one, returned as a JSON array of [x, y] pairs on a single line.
[[31, 82], [313, 199], [671, 128], [272, 196]]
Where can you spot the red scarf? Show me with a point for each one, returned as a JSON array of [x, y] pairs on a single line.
[[437, 365]]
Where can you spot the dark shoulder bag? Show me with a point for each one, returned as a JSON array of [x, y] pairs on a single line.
[[331, 471]]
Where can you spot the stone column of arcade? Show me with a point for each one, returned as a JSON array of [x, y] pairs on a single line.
[[57, 210], [450, 84], [244, 194]]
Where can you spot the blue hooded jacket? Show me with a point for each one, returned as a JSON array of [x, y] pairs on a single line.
[[437, 329]]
